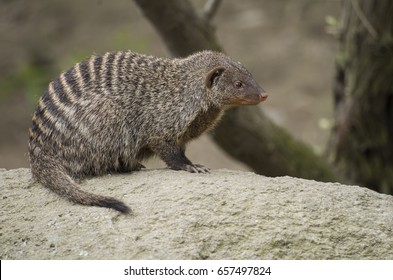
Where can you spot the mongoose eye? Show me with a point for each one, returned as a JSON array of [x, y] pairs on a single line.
[[238, 84]]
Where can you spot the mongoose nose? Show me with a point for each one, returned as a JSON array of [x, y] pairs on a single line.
[[263, 96]]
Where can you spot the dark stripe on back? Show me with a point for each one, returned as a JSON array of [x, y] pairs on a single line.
[[50, 105], [60, 92], [84, 70], [49, 124], [46, 122], [70, 79], [34, 127], [55, 112], [42, 119], [109, 70], [120, 61], [35, 132], [37, 114], [127, 76], [130, 60], [97, 67], [120, 67]]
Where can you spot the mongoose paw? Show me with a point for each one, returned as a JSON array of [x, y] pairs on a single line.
[[192, 168], [138, 167], [196, 168], [135, 167]]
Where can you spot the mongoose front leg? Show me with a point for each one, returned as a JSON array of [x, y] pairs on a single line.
[[174, 157]]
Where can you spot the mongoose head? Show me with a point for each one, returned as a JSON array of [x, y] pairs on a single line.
[[234, 85]]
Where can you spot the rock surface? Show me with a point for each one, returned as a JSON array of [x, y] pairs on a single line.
[[178, 215]]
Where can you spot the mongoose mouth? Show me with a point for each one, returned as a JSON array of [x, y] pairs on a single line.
[[248, 100]]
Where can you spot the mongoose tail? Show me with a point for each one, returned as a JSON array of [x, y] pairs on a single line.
[[54, 178]]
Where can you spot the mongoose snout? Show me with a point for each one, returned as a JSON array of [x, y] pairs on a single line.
[[263, 96], [108, 113]]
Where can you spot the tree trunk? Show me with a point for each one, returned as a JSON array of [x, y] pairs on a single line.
[[249, 136], [362, 140], [245, 132], [182, 30]]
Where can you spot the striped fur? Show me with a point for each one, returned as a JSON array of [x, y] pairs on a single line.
[[110, 112]]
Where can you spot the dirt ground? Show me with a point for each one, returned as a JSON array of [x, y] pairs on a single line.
[[283, 43]]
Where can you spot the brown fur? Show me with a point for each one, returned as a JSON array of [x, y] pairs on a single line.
[[108, 113]]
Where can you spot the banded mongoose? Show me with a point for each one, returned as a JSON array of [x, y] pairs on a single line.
[[108, 113]]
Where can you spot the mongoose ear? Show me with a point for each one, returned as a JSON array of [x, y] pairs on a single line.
[[213, 76]]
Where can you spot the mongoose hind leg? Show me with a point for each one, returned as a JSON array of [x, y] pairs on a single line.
[[173, 155], [127, 167], [135, 167], [138, 166]]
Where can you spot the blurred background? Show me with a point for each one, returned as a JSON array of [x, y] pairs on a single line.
[[285, 44]]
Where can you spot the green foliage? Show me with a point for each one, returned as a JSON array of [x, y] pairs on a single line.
[[331, 21], [332, 25], [32, 77], [122, 39], [73, 58], [29, 79]]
